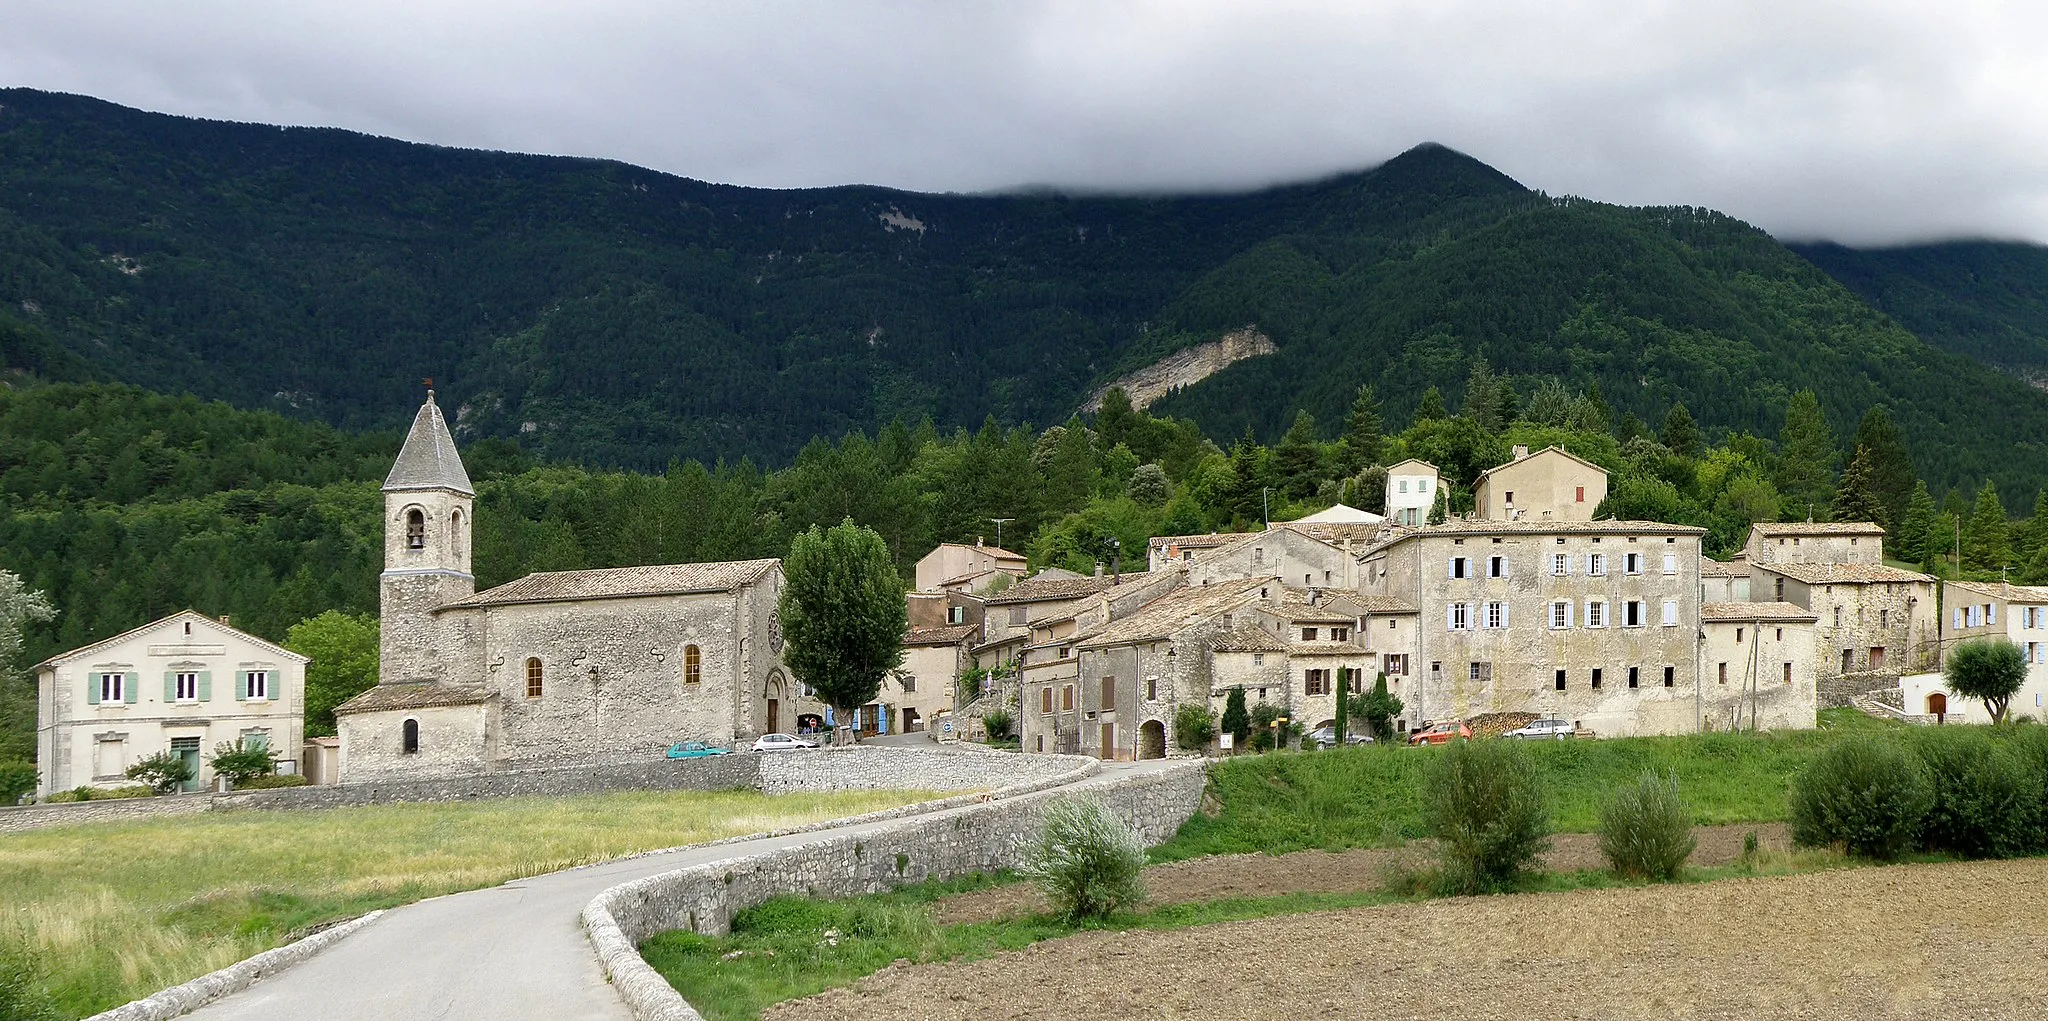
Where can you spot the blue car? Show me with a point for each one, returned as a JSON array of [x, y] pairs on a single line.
[[693, 750]]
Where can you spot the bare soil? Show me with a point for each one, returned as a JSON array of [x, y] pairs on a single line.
[[1232, 876], [1957, 940]]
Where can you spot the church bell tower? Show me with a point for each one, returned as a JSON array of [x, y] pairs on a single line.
[[428, 506]]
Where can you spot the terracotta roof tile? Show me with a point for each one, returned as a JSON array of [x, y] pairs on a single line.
[[1756, 611], [2003, 590], [412, 695], [1035, 590], [1245, 636], [1462, 527], [1169, 614], [1789, 528], [620, 583], [949, 634], [1844, 574]]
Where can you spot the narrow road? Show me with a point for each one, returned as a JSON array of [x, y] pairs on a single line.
[[511, 951]]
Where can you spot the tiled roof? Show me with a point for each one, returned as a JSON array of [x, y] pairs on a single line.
[[949, 634], [1722, 569], [1460, 527], [1381, 604], [1198, 541], [1171, 613], [1245, 636], [1295, 610], [428, 459], [1012, 639], [411, 695], [1337, 532], [2005, 591], [1789, 528], [1843, 574], [1300, 648], [1756, 611], [1035, 590], [620, 583]]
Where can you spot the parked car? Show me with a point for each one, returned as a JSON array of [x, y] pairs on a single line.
[[782, 743], [1325, 737], [1440, 733], [1543, 730], [693, 750]]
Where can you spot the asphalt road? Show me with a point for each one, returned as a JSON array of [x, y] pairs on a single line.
[[511, 951]]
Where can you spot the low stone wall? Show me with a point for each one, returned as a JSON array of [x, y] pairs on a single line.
[[896, 767], [716, 773], [22, 818], [1843, 689], [978, 838]]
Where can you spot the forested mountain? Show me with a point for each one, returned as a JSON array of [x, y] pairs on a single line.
[[1984, 299], [610, 315]]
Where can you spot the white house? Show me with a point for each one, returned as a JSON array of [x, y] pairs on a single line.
[[1411, 490], [183, 684]]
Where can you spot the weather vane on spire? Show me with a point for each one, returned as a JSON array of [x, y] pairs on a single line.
[[429, 383]]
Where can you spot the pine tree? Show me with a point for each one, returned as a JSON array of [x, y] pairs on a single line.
[[1806, 463], [2032, 537], [1911, 534], [1480, 404], [1681, 433], [1439, 509], [1891, 467], [1362, 432], [1854, 500], [1237, 720], [1987, 540], [1298, 459], [1431, 406], [1941, 541]]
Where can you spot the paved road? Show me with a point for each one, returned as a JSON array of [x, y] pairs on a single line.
[[511, 951]]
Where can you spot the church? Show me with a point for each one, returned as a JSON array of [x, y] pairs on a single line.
[[557, 667]]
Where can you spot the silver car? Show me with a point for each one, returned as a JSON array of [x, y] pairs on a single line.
[[1325, 737], [1544, 730], [782, 743]]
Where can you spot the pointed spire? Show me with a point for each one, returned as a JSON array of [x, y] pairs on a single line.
[[428, 460]]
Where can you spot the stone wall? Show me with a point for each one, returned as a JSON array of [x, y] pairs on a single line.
[[1835, 690], [34, 817], [977, 838]]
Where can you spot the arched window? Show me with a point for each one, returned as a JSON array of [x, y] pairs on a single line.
[[415, 529], [409, 743], [533, 677], [693, 665], [455, 533]]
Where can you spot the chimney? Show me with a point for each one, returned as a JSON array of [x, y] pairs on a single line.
[[977, 540], [1521, 451], [227, 619], [1098, 568]]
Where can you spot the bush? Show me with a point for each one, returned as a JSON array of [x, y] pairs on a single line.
[[1086, 860], [272, 782], [16, 779], [1646, 829], [24, 996], [998, 723], [242, 762], [1987, 797], [1193, 727], [1484, 802], [1865, 793], [163, 773]]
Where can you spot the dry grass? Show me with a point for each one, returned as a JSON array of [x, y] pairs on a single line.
[[117, 911]]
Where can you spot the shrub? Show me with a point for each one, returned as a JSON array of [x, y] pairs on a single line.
[[272, 782], [1646, 828], [1865, 793], [241, 761], [24, 996], [1193, 727], [1484, 802], [998, 723], [16, 780], [1987, 797], [163, 773], [1236, 721], [1086, 860]]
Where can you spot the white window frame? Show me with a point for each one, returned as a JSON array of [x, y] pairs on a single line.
[[1991, 614], [113, 687], [1496, 615], [1560, 615], [1670, 613], [1596, 565], [186, 688], [1460, 617], [1560, 565], [256, 685], [1596, 613]]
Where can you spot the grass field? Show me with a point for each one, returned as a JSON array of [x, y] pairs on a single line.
[[116, 911]]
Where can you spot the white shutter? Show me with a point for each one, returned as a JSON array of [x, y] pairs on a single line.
[[1990, 613], [1670, 611], [1567, 614], [1503, 615], [1450, 618], [1670, 563], [1959, 617]]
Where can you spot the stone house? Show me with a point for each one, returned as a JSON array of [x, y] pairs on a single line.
[[1165, 551], [1811, 542], [1875, 622], [944, 608], [1597, 622], [1389, 627], [557, 666], [1300, 561], [1411, 491], [934, 658], [958, 567], [1724, 581], [1324, 644], [1757, 666], [1979, 609], [1552, 484], [184, 684]]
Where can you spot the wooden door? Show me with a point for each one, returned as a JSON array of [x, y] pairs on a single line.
[[774, 716], [1109, 740]]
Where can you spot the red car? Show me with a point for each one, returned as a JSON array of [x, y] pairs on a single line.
[[1441, 733]]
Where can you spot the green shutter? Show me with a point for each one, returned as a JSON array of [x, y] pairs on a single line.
[[92, 689], [205, 685], [241, 685], [170, 686], [130, 688]]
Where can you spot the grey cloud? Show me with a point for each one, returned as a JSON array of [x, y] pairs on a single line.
[[1876, 122]]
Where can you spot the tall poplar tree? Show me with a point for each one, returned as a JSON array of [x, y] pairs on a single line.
[[843, 613], [1806, 458]]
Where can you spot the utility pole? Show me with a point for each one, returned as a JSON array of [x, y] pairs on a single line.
[[1265, 510], [999, 529]]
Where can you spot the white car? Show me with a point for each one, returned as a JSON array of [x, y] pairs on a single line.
[[1544, 730], [782, 743]]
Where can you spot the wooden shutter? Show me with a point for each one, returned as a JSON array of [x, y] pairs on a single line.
[[241, 685], [205, 685], [170, 686], [130, 688], [92, 689]]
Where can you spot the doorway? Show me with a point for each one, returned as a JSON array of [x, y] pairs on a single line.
[[186, 750], [1109, 740], [912, 723], [774, 716], [1152, 740], [1937, 706]]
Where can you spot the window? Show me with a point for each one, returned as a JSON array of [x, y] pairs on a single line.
[[1884, 618], [1308, 634], [455, 533], [1670, 673], [1778, 588], [1395, 663], [1511, 498], [1632, 613], [1838, 616], [1480, 672], [1724, 673], [1458, 569], [533, 677], [1560, 680], [1496, 567], [907, 681], [1632, 563], [1018, 616], [1634, 675], [1404, 485], [185, 687], [1422, 485], [1313, 682], [1990, 613], [112, 687], [1560, 615], [1151, 689], [1877, 657], [693, 665], [1596, 564], [1340, 634], [409, 739], [1596, 613], [1738, 636], [1788, 673], [1560, 563], [1779, 633], [256, 685], [415, 529], [1670, 613], [1670, 563], [1258, 555], [1258, 659], [1596, 678], [1352, 678], [1976, 616], [1461, 616], [1066, 698], [956, 614], [1108, 693], [1496, 615], [1045, 700], [1582, 494]]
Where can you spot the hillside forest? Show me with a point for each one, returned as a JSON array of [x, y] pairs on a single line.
[[123, 505]]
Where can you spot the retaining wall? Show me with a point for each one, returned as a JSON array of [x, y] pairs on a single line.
[[978, 838]]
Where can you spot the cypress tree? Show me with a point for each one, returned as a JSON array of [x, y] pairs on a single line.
[[1854, 500], [1363, 436], [1681, 433], [1891, 468], [1987, 540], [1439, 509], [1378, 710], [1237, 720], [1911, 535], [1806, 462]]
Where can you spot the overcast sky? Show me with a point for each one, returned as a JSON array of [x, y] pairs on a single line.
[[1866, 122]]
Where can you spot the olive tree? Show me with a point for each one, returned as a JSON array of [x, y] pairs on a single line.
[[1991, 669]]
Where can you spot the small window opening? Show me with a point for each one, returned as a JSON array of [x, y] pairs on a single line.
[[693, 665], [409, 743], [415, 529], [533, 677]]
